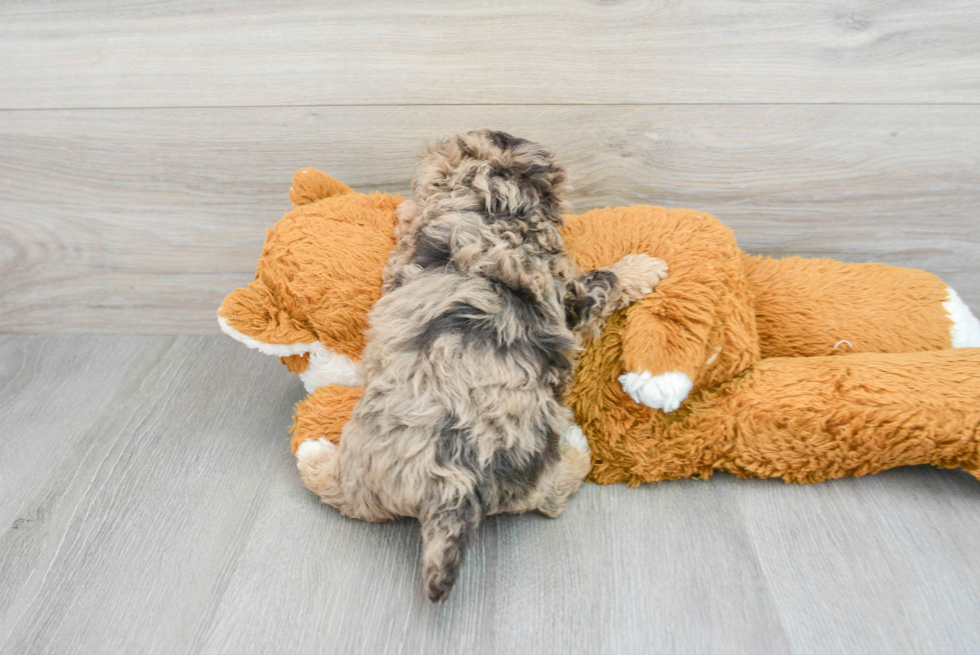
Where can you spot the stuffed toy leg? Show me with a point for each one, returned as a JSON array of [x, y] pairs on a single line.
[[721, 310], [801, 419], [798, 419]]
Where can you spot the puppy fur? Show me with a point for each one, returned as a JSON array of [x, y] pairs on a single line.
[[470, 350]]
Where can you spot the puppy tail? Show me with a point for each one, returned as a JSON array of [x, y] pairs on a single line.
[[445, 531]]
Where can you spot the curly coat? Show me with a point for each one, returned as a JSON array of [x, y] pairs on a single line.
[[470, 351]]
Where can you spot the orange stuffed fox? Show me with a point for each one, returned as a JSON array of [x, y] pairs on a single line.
[[798, 369]]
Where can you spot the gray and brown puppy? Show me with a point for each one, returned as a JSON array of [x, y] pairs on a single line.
[[470, 350]]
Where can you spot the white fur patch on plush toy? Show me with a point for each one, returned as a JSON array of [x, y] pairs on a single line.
[[665, 391], [323, 367], [273, 349], [574, 437], [965, 332], [327, 367]]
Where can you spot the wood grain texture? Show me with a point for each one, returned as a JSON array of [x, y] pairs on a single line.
[[140, 221], [150, 504], [882, 541], [129, 512], [122, 53]]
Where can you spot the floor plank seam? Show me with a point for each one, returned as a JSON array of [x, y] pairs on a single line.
[[499, 104]]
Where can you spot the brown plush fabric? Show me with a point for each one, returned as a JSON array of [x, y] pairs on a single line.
[[702, 308], [295, 363], [762, 339], [320, 273], [875, 308], [323, 413], [801, 419]]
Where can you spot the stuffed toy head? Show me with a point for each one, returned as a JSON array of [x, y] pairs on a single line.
[[317, 278]]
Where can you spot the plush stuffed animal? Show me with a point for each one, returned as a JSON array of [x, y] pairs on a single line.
[[795, 368]]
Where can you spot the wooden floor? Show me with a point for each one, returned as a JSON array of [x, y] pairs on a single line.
[[148, 499], [151, 505]]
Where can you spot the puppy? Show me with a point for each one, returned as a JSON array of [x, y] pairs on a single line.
[[470, 350]]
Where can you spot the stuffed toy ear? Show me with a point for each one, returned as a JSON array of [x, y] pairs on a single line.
[[258, 318], [310, 185], [255, 316]]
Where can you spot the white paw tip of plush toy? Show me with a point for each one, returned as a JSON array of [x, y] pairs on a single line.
[[665, 391], [575, 438], [965, 332], [313, 452]]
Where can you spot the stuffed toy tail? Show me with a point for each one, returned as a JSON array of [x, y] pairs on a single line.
[[813, 307], [445, 532]]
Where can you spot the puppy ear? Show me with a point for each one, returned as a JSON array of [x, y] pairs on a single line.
[[406, 235], [408, 221], [445, 532]]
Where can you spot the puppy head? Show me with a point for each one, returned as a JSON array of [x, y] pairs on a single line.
[[493, 171]]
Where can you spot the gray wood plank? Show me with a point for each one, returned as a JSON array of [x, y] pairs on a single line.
[[135, 513], [622, 571], [44, 390], [848, 561], [50, 412], [137, 54], [140, 221]]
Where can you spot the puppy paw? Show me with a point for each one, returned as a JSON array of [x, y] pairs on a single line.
[[666, 391], [317, 462], [573, 437], [639, 274]]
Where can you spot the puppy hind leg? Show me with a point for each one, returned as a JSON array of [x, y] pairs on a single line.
[[572, 468], [317, 461]]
